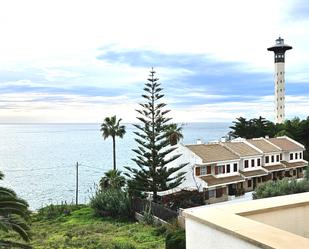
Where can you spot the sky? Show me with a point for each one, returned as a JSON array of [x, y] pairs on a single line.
[[80, 61]]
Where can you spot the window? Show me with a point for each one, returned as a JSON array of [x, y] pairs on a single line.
[[272, 159], [249, 183], [208, 170], [278, 158], [227, 168], [246, 163], [296, 156], [291, 156], [294, 172], [219, 192], [221, 169], [300, 155], [281, 157], [203, 170], [235, 167], [259, 162], [267, 159], [211, 193], [252, 162]]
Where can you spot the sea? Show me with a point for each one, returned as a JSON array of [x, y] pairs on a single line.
[[39, 160]]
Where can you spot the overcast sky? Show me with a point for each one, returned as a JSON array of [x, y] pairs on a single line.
[[79, 61]]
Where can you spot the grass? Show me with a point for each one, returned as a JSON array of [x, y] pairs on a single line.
[[83, 230]]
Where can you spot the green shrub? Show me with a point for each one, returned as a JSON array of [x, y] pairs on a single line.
[[111, 202], [53, 211], [175, 239], [281, 187]]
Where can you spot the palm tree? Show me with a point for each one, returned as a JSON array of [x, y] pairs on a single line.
[[112, 128], [13, 217], [112, 179], [174, 133]]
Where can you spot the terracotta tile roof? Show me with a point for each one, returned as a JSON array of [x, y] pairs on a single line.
[[295, 164], [216, 181], [253, 173], [276, 167], [263, 145], [285, 144], [242, 149], [212, 152]]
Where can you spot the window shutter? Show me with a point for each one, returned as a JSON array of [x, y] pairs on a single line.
[[208, 170], [197, 171], [216, 170]]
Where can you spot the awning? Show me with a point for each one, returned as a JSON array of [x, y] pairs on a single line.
[[219, 181], [300, 164], [253, 173], [276, 167]]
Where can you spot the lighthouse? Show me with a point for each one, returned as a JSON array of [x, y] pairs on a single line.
[[279, 49]]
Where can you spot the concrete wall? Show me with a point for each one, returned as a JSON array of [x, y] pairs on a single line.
[[200, 236], [292, 219]]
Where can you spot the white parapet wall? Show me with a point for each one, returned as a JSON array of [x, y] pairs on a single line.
[[199, 236], [278, 222]]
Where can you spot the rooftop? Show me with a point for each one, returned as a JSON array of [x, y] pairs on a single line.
[[212, 152], [263, 145], [278, 222], [241, 148], [285, 144]]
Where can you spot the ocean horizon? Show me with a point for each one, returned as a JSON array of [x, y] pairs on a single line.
[[39, 159]]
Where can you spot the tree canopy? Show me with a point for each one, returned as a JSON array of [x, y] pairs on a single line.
[[153, 153], [260, 127]]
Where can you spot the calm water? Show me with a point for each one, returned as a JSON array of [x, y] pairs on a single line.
[[39, 159]]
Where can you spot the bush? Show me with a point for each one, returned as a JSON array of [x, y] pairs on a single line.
[[111, 202], [281, 187], [175, 239], [53, 211]]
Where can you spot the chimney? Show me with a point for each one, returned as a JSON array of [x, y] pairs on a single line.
[[267, 137], [198, 141]]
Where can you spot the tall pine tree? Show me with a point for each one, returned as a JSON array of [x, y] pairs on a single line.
[[153, 153]]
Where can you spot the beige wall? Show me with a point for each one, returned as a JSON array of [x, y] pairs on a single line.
[[293, 219], [200, 236]]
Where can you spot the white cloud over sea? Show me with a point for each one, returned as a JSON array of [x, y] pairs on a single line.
[[79, 61]]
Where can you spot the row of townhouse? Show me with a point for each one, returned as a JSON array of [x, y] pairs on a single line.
[[233, 168]]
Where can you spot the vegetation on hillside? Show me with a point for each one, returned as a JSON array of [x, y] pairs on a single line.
[[79, 228], [260, 127], [153, 152]]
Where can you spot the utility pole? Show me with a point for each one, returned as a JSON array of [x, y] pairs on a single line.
[[76, 194]]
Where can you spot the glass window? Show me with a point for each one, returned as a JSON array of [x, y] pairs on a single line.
[[300, 155], [272, 159], [246, 163], [249, 183], [252, 162], [267, 159], [235, 167], [227, 168], [278, 158], [296, 156], [203, 170], [259, 162], [291, 156], [281, 157], [211, 193]]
